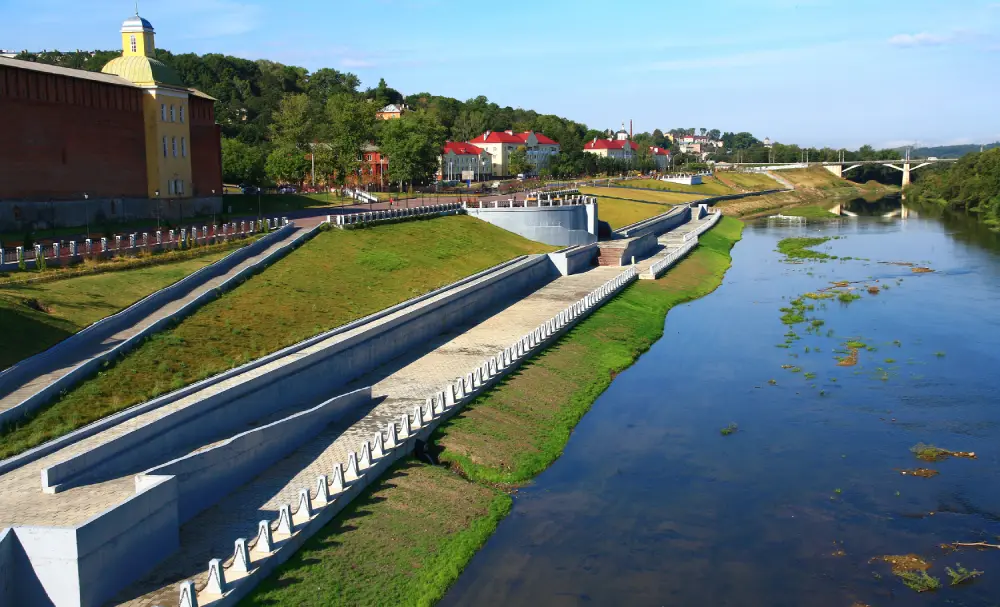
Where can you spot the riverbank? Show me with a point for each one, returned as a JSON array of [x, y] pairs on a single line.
[[814, 187], [407, 539]]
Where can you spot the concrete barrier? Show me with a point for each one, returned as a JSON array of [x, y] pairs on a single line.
[[298, 379], [554, 225], [205, 477], [117, 418], [364, 219], [41, 363], [656, 225], [575, 259]]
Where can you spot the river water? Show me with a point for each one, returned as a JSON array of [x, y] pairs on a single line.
[[651, 505]]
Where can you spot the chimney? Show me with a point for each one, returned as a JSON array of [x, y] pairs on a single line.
[[630, 129]]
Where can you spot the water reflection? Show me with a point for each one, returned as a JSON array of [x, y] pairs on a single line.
[[652, 506]]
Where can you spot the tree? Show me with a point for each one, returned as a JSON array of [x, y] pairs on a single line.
[[660, 140], [286, 164], [468, 125], [703, 131], [292, 124], [349, 125], [241, 162], [715, 134], [517, 162], [412, 144]]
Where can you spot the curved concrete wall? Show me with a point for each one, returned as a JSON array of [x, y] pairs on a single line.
[[556, 225]]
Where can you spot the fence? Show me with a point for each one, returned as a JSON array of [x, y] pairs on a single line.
[[361, 195], [542, 201], [58, 253], [393, 215], [275, 541], [690, 242]]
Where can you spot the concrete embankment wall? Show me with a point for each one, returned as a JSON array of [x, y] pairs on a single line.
[[574, 260], [205, 477], [302, 378], [554, 225], [72, 348], [656, 225]]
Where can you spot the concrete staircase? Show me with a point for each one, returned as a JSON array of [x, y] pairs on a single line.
[[611, 253]]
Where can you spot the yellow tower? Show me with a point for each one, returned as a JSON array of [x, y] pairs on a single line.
[[137, 36], [166, 111]]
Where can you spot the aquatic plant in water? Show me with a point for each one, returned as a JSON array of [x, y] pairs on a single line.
[[730, 429], [960, 574], [919, 581], [930, 453]]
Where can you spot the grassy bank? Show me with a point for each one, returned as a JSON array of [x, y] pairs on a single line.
[[407, 539], [338, 277], [620, 213], [814, 187], [709, 187], [661, 197], [35, 317]]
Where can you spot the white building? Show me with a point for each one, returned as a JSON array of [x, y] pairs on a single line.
[[500, 144], [457, 157]]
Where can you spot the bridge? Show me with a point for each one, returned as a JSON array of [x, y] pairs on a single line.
[[837, 167]]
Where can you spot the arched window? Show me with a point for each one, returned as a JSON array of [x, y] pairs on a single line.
[[132, 41]]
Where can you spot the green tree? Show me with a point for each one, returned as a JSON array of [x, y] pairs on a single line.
[[412, 145], [286, 164], [468, 125], [292, 124], [517, 162], [349, 125], [242, 162]]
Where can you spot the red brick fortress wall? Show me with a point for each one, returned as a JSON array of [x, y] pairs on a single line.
[[206, 149], [62, 136]]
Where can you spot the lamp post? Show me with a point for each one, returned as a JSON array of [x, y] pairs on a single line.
[[86, 211]]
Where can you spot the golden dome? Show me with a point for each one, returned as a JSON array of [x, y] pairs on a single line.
[[142, 70]]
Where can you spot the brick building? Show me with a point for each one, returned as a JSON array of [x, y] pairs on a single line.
[[129, 142]]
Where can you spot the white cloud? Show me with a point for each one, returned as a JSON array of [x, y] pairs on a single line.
[[921, 39]]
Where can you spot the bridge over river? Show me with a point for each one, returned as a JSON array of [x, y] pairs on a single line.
[[838, 168]]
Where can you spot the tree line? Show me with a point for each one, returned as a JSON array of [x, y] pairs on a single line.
[[277, 120], [972, 184]]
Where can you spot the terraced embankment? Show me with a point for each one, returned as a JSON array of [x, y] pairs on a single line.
[[407, 537]]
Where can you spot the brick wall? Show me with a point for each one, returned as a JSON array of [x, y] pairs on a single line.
[[206, 149], [63, 136]]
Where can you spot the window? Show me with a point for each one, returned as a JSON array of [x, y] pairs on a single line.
[[163, 112], [183, 148], [132, 42], [171, 113], [182, 113], [170, 187], [179, 186], [164, 147], [173, 145]]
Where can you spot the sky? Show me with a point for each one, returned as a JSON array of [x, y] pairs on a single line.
[[837, 73]]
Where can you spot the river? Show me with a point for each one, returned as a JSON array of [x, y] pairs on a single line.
[[652, 505]]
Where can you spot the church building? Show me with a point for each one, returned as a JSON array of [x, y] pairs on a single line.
[[132, 141]]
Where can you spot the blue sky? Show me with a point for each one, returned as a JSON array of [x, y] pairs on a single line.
[[816, 72]]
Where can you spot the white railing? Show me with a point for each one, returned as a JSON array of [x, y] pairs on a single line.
[[254, 558], [370, 217], [690, 241]]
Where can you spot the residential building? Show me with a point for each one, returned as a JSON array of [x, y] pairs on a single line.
[[132, 131], [457, 157], [662, 158], [619, 149], [390, 112], [500, 144]]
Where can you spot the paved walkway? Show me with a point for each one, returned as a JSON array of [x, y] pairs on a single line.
[[85, 351]]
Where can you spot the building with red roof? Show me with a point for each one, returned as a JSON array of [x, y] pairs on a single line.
[[620, 149], [457, 157], [500, 144], [661, 156]]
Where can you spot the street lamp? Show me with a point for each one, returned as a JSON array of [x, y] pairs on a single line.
[[86, 211]]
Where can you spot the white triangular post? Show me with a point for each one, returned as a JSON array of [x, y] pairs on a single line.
[[322, 490], [392, 441], [365, 460], [305, 504], [216, 583], [353, 471], [285, 520], [241, 557], [188, 596], [406, 429], [378, 447], [418, 418], [337, 480], [265, 541]]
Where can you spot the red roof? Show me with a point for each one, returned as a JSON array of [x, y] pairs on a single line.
[[542, 139], [659, 151], [497, 137], [461, 149], [609, 144]]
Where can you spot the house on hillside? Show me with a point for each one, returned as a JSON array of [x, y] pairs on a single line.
[[662, 158], [500, 144], [457, 158], [619, 149], [390, 112]]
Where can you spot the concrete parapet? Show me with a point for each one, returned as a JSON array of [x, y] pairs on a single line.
[[575, 259], [360, 220], [656, 225], [558, 225]]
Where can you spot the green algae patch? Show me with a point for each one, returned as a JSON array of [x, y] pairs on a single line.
[[801, 248]]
